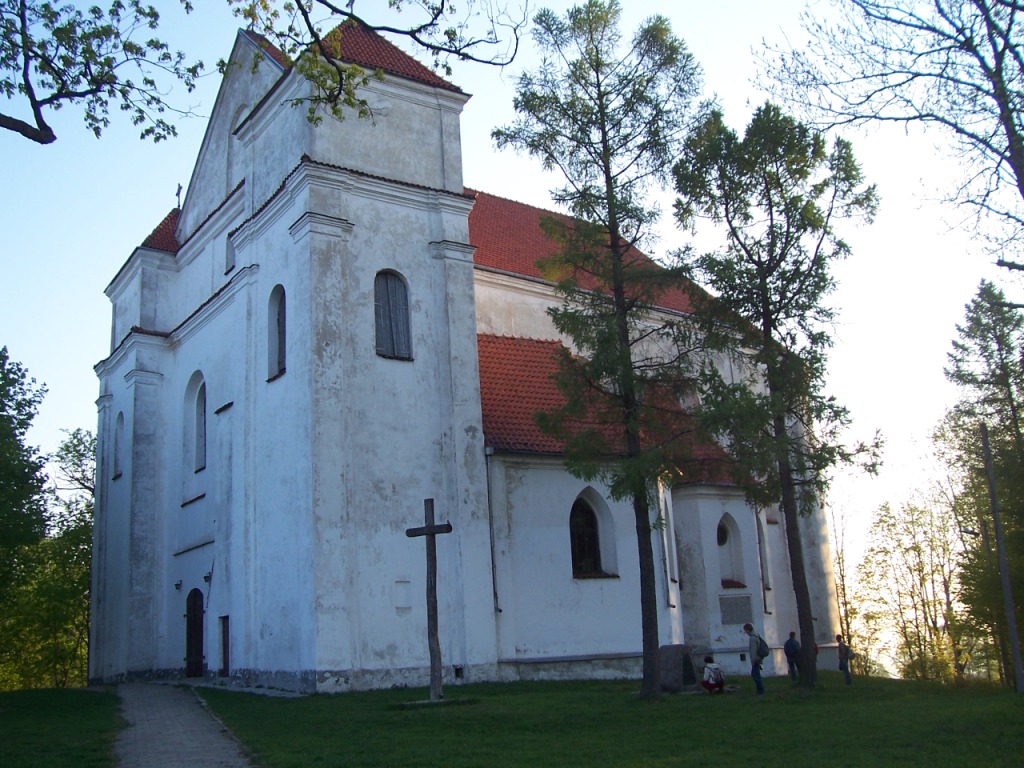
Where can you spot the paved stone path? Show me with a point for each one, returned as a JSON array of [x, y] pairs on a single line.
[[169, 727]]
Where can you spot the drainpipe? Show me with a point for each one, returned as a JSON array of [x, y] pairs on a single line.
[[488, 452]]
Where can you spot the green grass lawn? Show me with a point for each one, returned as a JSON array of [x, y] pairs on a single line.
[[872, 723], [875, 723], [44, 728]]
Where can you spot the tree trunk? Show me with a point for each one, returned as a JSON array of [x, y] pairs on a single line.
[[791, 517], [650, 688]]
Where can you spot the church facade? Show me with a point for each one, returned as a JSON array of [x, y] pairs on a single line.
[[328, 333]]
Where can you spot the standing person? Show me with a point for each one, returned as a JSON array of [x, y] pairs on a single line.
[[845, 654], [792, 650], [755, 646], [713, 680]]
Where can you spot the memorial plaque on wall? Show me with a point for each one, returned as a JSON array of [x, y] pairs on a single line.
[[735, 610]]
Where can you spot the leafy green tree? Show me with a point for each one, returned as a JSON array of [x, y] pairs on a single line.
[[54, 56], [777, 193], [309, 35], [22, 475], [986, 364], [953, 64], [611, 123], [44, 628], [910, 577]]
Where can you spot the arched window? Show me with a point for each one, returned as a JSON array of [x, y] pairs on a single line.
[[585, 542], [391, 316], [200, 429], [118, 444], [276, 335], [730, 553]]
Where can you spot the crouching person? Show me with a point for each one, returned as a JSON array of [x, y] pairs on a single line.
[[713, 680]]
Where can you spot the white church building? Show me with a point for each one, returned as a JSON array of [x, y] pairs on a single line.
[[330, 331]]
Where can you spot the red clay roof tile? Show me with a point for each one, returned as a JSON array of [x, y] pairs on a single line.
[[361, 45], [517, 380], [162, 238], [358, 44], [508, 237]]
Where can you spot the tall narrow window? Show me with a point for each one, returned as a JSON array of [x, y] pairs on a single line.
[[229, 256], [584, 541], [200, 432], [391, 315], [276, 335], [118, 444], [730, 554]]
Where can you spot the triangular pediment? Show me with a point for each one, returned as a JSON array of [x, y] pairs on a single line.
[[251, 72]]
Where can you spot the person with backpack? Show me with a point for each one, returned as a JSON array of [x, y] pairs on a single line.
[[792, 650], [713, 680], [758, 649]]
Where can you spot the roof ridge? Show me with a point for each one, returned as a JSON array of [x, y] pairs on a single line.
[[370, 48], [475, 192]]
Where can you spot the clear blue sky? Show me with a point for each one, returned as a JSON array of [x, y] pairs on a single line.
[[73, 212]]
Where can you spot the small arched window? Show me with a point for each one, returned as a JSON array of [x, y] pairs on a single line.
[[200, 428], [584, 539], [276, 333], [391, 316]]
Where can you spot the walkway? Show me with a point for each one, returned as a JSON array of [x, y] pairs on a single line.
[[169, 727]]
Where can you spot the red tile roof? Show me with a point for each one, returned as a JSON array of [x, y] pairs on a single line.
[[358, 44], [267, 47], [517, 380], [162, 238], [508, 237]]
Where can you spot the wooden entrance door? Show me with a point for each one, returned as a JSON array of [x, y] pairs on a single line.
[[194, 634]]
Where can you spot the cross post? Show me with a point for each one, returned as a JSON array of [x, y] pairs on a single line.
[[430, 531]]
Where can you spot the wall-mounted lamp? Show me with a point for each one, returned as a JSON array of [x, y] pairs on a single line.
[[207, 577], [177, 584]]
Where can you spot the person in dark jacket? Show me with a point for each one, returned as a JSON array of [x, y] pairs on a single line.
[[792, 650]]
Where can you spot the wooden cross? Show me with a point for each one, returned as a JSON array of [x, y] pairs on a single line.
[[431, 531]]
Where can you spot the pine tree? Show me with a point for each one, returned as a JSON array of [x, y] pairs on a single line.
[[778, 193], [610, 123]]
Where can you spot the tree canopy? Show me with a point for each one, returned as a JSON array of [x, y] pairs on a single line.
[[985, 364], [778, 193], [22, 476], [953, 64], [56, 56], [44, 620], [610, 118], [109, 60]]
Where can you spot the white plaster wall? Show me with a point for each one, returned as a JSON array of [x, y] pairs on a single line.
[[545, 612], [413, 135], [392, 422], [222, 161], [698, 510], [820, 576], [507, 306]]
